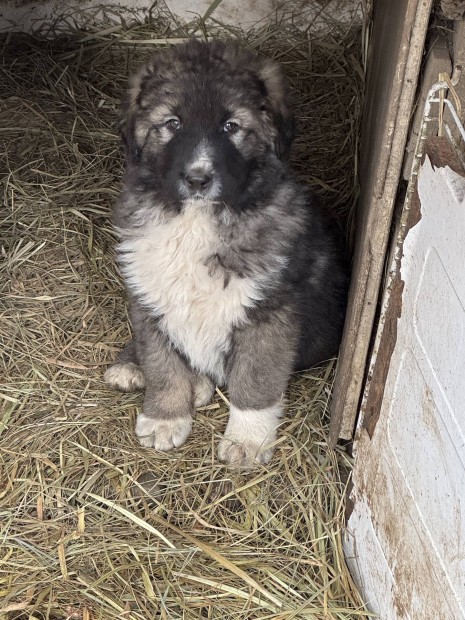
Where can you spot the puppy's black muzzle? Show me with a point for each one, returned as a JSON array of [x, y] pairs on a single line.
[[197, 181]]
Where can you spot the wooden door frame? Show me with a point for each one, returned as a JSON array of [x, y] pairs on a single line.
[[398, 36]]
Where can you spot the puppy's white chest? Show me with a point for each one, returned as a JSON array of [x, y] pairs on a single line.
[[165, 268]]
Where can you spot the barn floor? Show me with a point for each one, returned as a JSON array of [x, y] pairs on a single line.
[[92, 525]]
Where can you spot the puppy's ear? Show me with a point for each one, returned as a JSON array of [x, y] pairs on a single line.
[[278, 95], [132, 149], [131, 126]]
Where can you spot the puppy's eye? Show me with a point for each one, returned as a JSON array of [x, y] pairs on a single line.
[[230, 127], [173, 124]]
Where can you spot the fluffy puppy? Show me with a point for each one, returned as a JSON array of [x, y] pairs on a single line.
[[235, 276]]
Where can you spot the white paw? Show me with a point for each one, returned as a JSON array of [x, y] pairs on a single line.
[[162, 434], [249, 435], [125, 376], [203, 391], [244, 455]]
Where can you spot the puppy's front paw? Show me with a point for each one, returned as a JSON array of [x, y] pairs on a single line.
[[243, 455], [125, 376], [162, 434], [249, 435]]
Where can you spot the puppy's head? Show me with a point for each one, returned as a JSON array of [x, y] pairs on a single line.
[[200, 119]]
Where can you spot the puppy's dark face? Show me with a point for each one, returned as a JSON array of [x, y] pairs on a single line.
[[201, 120]]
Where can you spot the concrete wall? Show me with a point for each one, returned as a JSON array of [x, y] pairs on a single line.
[[28, 15]]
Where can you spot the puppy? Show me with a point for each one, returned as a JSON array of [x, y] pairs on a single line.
[[234, 275]]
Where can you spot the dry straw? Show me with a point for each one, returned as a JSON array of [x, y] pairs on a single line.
[[92, 525]]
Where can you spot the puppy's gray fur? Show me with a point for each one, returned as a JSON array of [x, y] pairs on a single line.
[[235, 275]]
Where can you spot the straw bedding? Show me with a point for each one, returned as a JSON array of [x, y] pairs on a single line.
[[92, 525]]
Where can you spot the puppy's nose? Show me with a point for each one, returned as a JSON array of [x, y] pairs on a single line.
[[198, 180]]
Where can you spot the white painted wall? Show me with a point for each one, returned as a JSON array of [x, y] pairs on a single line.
[[406, 534], [28, 14]]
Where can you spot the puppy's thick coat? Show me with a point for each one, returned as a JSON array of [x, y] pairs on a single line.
[[235, 276]]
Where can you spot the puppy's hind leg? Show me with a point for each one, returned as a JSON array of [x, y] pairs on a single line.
[[204, 389], [259, 369], [125, 374]]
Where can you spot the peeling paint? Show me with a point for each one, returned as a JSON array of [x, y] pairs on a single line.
[[405, 538]]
